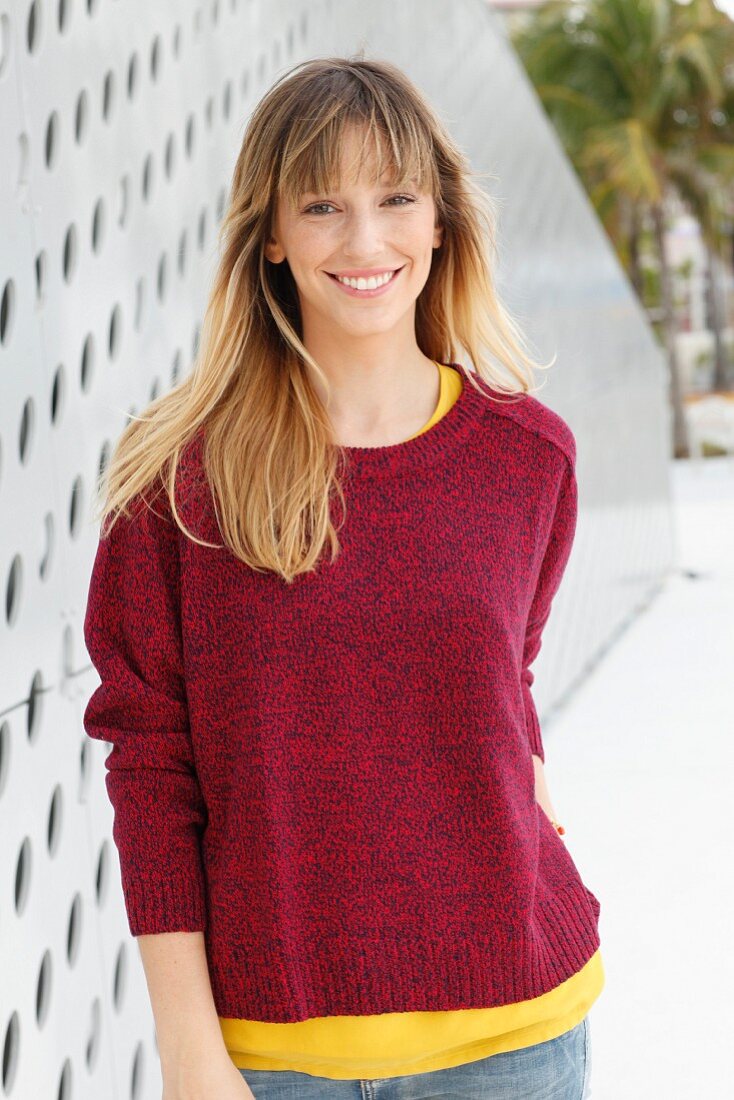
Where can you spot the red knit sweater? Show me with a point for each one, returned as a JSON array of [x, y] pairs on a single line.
[[333, 779]]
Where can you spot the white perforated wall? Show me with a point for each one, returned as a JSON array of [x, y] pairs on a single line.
[[119, 125]]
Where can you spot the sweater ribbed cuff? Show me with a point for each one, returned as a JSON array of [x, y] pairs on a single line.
[[532, 724], [174, 904]]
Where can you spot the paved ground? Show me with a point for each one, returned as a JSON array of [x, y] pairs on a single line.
[[640, 766]]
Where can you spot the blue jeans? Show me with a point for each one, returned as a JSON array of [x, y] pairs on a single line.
[[558, 1069]]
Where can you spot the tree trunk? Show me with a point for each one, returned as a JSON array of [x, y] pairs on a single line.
[[634, 247], [716, 319], [680, 430]]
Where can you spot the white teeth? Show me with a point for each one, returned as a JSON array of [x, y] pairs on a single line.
[[367, 284]]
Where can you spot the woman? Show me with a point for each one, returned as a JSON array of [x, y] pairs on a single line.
[[331, 555]]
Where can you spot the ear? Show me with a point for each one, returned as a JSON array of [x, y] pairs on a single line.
[[438, 236], [273, 251]]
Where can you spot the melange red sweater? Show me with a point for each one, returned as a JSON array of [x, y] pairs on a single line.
[[333, 779]]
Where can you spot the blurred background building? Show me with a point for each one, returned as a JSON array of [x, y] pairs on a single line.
[[641, 96]]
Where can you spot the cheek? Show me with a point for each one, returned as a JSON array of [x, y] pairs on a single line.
[[418, 238], [306, 253], [305, 248]]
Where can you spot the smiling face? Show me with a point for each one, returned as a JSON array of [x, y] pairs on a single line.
[[361, 230]]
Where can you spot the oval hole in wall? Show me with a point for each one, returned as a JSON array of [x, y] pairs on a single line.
[[108, 95], [22, 876], [148, 177], [139, 303], [123, 211], [75, 508], [65, 1082], [74, 930], [58, 392], [70, 253], [133, 72], [181, 255], [44, 566], [120, 977], [85, 756], [7, 311], [25, 435], [201, 230], [24, 157], [102, 876], [53, 829], [115, 332], [81, 116], [98, 225], [33, 27], [190, 136], [51, 144], [162, 277], [91, 1051], [169, 156], [86, 371], [41, 269], [136, 1076], [64, 14], [11, 1044], [35, 699], [43, 988], [13, 589], [155, 58], [4, 41]]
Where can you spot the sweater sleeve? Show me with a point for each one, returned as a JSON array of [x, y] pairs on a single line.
[[133, 637], [556, 556]]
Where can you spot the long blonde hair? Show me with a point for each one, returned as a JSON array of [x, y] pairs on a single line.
[[269, 456]]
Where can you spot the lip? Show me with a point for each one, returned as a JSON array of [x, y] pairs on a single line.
[[374, 293]]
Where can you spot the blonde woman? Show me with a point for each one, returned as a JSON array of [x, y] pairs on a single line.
[[326, 561]]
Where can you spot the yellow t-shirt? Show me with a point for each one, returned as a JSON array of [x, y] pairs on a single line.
[[393, 1044]]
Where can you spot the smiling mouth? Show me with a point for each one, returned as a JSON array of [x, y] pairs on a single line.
[[366, 289]]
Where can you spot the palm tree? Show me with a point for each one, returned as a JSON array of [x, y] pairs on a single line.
[[700, 139], [613, 76]]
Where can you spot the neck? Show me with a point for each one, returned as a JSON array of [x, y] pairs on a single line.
[[381, 403]]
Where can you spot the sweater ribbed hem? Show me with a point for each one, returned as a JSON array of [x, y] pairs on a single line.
[[391, 975]]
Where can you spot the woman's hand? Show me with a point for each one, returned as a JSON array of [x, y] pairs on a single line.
[[213, 1078], [542, 796]]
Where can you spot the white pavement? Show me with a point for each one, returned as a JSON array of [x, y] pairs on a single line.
[[640, 767]]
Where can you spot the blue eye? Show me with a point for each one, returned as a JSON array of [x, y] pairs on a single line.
[[315, 207]]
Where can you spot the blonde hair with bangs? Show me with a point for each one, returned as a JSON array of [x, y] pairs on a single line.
[[269, 457]]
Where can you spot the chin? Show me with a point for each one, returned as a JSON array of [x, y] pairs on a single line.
[[370, 328]]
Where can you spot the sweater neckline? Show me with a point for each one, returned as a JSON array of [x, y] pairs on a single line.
[[426, 448]]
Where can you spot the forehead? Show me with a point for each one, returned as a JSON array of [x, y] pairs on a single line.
[[360, 150], [387, 179], [348, 151], [358, 161]]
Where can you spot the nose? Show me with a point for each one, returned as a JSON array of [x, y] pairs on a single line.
[[362, 237]]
